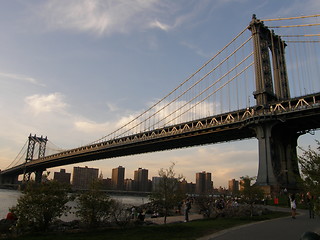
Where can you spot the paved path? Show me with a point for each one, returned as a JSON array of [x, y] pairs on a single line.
[[277, 229], [175, 219]]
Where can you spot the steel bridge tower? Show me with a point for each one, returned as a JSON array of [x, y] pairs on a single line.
[[33, 141], [278, 162]]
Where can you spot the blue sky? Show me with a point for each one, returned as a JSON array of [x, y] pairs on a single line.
[[74, 70]]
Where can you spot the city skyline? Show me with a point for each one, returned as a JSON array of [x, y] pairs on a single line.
[[203, 178], [82, 177], [75, 71]]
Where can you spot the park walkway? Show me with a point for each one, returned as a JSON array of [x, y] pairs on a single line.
[[175, 219], [276, 229]]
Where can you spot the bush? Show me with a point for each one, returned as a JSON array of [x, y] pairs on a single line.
[[120, 214], [40, 205], [310, 168], [94, 206]]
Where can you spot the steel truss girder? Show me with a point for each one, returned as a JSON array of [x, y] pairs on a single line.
[[244, 116]]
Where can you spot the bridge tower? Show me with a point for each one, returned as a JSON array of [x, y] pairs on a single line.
[[33, 141], [278, 165], [269, 88]]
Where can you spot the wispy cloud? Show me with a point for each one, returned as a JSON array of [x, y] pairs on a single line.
[[91, 127], [46, 103], [98, 16], [162, 26], [21, 78], [196, 49], [117, 16]]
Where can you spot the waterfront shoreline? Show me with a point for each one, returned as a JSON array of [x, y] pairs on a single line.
[[9, 197]]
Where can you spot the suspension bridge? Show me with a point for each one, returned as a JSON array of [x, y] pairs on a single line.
[[263, 84]]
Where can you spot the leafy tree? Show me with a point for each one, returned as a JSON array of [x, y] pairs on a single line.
[[250, 193], [94, 206], [120, 214], [206, 205], [167, 195], [40, 205], [310, 169]]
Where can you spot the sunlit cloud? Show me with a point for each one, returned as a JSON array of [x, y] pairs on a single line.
[[90, 126], [19, 77], [46, 103]]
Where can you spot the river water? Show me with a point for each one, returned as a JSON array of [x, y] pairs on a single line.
[[8, 199]]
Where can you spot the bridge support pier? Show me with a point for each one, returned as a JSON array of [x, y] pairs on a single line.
[[9, 179], [38, 176], [278, 161]]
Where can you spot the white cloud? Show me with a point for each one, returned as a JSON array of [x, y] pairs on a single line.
[[90, 126], [21, 78], [46, 103], [162, 26], [99, 16], [118, 16]]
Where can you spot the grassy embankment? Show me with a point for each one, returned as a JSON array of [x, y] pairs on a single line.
[[185, 231]]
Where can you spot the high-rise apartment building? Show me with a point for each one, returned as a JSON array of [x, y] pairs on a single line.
[[107, 183], [83, 177], [62, 176], [183, 186], [141, 180], [203, 183], [233, 186], [155, 183], [118, 178], [128, 184]]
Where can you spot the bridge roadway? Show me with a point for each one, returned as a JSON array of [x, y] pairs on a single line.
[[301, 114]]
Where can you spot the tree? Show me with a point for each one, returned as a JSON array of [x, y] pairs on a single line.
[[167, 195], [250, 193], [40, 205], [310, 169], [120, 214], [206, 205], [94, 206]]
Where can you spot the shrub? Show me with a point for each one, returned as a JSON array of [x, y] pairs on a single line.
[[40, 205], [120, 214], [94, 206]]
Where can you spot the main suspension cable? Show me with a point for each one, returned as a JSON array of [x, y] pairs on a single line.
[[19, 156], [290, 18]]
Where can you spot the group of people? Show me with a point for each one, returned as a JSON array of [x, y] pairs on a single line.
[[309, 202], [137, 214]]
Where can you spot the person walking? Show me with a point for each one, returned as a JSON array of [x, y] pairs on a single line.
[[310, 203], [293, 205], [187, 207]]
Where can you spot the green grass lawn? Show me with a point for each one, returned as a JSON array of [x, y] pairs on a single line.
[[185, 231]]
